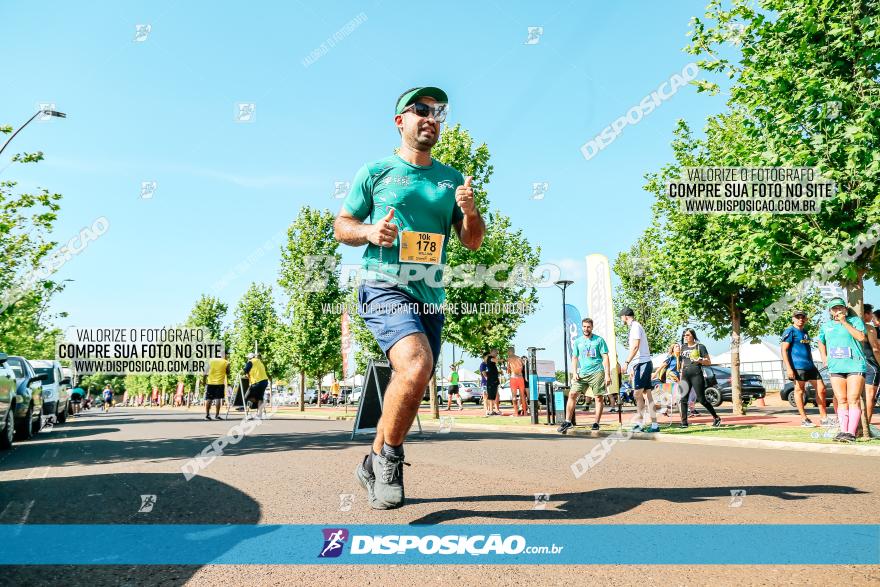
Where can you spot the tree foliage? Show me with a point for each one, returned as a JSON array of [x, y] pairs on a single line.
[[503, 244], [310, 279], [256, 328], [26, 287], [643, 288]]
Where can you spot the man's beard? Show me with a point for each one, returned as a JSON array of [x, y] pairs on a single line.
[[423, 143]]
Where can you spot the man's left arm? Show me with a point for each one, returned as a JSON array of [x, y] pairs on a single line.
[[470, 229]]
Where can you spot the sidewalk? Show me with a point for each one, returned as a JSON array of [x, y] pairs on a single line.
[[774, 426]]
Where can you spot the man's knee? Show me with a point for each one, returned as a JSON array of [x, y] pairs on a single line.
[[417, 368]]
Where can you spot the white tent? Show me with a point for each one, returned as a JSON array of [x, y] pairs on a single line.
[[764, 359], [756, 352], [353, 381]]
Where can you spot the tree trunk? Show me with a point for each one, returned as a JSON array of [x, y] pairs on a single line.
[[855, 298], [302, 392], [432, 396], [735, 382], [318, 391]]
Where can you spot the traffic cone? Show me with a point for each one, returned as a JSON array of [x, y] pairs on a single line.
[[762, 404]]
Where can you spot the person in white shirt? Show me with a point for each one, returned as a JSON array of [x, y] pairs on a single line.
[[640, 360]]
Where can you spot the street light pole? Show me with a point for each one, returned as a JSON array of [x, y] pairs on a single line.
[[54, 113], [562, 284]]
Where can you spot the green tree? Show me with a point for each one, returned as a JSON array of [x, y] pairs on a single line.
[[29, 261], [255, 328], [503, 246], [643, 289], [209, 313], [804, 89], [365, 345], [93, 384], [310, 279]]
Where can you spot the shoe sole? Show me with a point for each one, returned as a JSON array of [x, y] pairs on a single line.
[[364, 480]]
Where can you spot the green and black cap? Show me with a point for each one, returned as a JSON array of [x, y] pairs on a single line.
[[413, 94]]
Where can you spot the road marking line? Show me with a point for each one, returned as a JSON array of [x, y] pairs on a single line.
[[33, 472], [10, 511], [27, 511]]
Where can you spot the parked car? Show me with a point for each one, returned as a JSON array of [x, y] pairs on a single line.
[[311, 396], [355, 395], [469, 391], [787, 392], [718, 388], [29, 398], [56, 389], [7, 403]]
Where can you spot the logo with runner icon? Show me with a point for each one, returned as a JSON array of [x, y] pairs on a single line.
[[334, 541]]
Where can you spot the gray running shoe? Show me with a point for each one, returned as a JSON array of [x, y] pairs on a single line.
[[365, 478], [387, 482]]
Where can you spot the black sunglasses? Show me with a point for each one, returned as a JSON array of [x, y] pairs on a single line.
[[438, 111]]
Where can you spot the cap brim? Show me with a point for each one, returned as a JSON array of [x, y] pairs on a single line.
[[430, 92]]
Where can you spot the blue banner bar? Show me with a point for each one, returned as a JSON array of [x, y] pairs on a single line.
[[529, 544]]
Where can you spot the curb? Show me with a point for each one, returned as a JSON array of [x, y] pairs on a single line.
[[283, 416], [848, 449]]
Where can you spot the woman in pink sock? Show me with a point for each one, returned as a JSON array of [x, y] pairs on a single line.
[[840, 344]]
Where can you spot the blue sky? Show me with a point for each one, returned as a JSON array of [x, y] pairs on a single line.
[[163, 110]]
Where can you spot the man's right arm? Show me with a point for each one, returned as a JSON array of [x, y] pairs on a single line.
[[785, 361], [352, 231]]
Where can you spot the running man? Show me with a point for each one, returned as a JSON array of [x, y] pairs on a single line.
[[453, 388], [797, 358], [108, 398], [872, 365], [256, 372], [413, 202], [841, 346], [640, 359], [216, 376], [591, 374], [517, 376]]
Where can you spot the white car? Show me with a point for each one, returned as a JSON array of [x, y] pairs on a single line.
[[469, 391], [355, 395], [56, 389]]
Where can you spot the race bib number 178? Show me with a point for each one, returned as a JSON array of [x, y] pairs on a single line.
[[421, 247]]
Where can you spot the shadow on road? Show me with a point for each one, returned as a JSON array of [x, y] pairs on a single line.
[[261, 441], [602, 503], [69, 432], [116, 499]]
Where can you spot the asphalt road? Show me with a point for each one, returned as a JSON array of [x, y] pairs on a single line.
[[294, 472]]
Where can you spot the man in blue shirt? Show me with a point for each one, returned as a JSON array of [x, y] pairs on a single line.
[[797, 357]]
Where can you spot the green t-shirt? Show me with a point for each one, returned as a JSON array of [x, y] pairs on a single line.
[[589, 353], [424, 202], [845, 354], [453, 379]]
